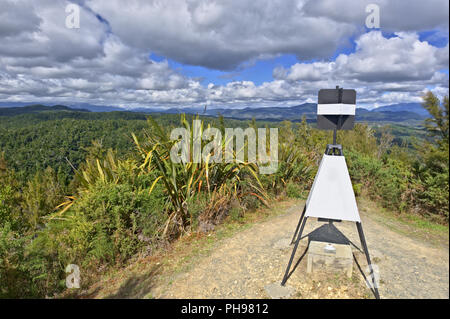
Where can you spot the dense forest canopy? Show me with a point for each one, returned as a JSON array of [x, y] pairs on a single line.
[[58, 137]]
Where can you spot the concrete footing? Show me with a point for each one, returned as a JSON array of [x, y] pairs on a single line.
[[277, 291], [339, 260]]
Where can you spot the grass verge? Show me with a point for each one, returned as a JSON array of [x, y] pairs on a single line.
[[407, 224]]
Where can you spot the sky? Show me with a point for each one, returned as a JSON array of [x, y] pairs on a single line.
[[222, 54]]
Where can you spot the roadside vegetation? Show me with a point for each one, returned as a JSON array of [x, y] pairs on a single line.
[[98, 192]]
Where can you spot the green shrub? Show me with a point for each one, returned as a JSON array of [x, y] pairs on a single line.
[[105, 226], [294, 190], [15, 281], [119, 213], [357, 188], [362, 168], [41, 195], [196, 205], [236, 213], [388, 182], [6, 203], [435, 195], [392, 184]]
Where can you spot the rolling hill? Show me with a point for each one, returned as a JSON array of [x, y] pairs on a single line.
[[392, 113], [35, 108]]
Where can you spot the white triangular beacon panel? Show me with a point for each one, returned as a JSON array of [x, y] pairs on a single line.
[[332, 195]]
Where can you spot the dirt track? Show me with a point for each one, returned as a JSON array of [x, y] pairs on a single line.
[[241, 266]]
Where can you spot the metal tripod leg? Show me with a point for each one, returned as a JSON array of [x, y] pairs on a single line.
[[366, 252], [286, 275], [298, 225]]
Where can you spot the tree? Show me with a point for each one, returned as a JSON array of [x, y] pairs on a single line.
[[433, 164], [437, 125]]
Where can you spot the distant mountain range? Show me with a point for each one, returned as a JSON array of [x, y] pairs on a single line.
[[393, 113], [404, 107], [397, 113]]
